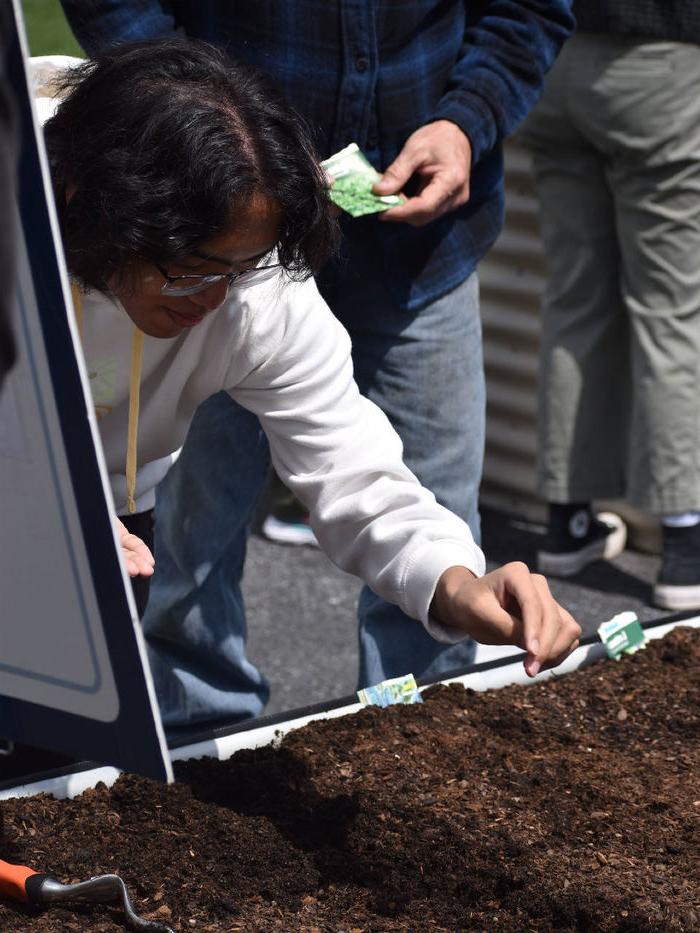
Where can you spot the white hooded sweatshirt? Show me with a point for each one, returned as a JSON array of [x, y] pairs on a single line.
[[280, 353]]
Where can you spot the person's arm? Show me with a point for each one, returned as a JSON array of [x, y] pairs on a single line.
[[508, 47], [338, 453], [98, 24]]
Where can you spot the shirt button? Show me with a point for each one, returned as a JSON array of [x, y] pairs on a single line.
[[362, 64]]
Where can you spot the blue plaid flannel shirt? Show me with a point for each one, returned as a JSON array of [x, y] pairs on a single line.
[[372, 72]]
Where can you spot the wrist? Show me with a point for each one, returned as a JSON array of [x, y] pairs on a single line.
[[443, 608]]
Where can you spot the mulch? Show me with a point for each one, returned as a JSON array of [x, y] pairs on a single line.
[[568, 805]]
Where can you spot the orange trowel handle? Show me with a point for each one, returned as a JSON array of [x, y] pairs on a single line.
[[13, 880]]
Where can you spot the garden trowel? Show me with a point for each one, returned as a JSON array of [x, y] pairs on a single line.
[[33, 887]]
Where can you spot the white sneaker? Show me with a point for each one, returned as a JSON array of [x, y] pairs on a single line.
[[289, 532]]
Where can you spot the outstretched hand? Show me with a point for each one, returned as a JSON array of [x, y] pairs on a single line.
[[137, 557], [509, 606], [440, 155]]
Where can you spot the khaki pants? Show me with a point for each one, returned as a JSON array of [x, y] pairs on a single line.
[[616, 150]]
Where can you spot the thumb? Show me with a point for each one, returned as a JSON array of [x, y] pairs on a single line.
[[395, 175]]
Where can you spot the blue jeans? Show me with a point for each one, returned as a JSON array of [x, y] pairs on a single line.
[[425, 370], [194, 622]]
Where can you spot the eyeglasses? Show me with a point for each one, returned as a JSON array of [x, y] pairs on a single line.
[[180, 285]]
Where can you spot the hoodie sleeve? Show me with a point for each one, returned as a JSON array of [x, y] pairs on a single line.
[[338, 453], [508, 47]]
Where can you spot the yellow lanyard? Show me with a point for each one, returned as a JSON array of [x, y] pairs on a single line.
[[134, 396]]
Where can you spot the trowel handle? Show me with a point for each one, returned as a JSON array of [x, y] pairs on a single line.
[[25, 884], [20, 883]]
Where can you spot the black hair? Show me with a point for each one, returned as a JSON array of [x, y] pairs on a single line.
[[156, 147]]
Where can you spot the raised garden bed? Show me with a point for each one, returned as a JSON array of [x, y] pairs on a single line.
[[571, 804]]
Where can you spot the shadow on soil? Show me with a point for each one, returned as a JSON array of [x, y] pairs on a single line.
[[351, 840], [287, 798], [350, 837]]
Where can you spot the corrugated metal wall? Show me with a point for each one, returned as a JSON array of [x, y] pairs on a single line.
[[512, 281]]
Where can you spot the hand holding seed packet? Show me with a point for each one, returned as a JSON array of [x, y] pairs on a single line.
[[353, 177]]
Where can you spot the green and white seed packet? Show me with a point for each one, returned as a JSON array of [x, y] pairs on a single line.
[[623, 634], [352, 186], [388, 692]]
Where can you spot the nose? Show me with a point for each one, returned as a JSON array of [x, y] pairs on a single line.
[[213, 297]]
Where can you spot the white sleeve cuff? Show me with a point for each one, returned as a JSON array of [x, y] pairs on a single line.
[[421, 578]]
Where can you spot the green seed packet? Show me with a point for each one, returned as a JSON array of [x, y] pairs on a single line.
[[399, 690], [353, 179], [622, 635]]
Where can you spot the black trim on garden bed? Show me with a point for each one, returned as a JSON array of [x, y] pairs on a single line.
[[277, 719]]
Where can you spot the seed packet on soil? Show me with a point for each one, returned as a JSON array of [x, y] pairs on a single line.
[[353, 179], [622, 633], [399, 690]]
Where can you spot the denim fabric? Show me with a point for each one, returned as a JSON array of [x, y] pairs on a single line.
[[194, 623], [426, 372]]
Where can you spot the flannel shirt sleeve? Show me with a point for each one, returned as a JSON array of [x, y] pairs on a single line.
[[508, 47], [99, 24]]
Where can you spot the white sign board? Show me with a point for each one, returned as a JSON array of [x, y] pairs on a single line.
[[73, 670]]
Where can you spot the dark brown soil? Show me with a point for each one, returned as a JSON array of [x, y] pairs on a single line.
[[568, 805]]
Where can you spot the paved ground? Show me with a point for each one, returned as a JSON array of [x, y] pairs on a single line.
[[301, 608]]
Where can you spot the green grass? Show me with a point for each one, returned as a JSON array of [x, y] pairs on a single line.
[[47, 29]]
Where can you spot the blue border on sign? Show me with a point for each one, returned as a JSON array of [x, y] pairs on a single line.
[[132, 741]]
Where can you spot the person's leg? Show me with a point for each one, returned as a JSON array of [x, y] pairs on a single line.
[[583, 395], [425, 371], [195, 621], [654, 169], [583, 392]]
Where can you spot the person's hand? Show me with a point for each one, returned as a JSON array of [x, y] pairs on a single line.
[[509, 606], [137, 557], [441, 155]]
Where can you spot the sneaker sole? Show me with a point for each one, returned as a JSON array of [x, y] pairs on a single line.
[[287, 533], [568, 565], [677, 598]]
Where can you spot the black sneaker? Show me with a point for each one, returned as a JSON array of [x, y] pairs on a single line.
[[678, 584], [576, 537]]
